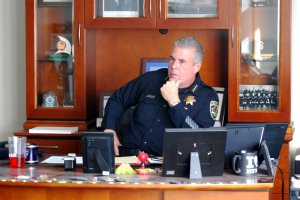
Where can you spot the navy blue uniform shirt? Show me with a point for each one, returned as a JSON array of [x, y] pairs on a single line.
[[152, 114]]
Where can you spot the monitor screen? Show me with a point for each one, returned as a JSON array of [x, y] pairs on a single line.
[[98, 152], [241, 138], [179, 143], [274, 133]]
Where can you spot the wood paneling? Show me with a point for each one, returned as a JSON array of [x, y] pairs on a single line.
[[119, 53]]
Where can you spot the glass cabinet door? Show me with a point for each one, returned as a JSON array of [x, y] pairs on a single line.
[[259, 55], [120, 13], [55, 68], [259, 61], [55, 55], [192, 9], [195, 14], [120, 8]]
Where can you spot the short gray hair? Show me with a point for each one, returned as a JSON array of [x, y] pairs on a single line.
[[190, 42]]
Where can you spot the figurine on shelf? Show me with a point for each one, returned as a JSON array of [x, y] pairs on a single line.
[[61, 48], [63, 45]]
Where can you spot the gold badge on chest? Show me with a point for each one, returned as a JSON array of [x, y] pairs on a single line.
[[189, 100]]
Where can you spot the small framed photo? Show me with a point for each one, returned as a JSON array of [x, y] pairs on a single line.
[[222, 94], [120, 8], [258, 97], [104, 96], [42, 3], [153, 64]]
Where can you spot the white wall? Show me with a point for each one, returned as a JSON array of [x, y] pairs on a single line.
[[12, 66], [295, 144]]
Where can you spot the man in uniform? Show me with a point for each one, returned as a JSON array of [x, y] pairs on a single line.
[[167, 98]]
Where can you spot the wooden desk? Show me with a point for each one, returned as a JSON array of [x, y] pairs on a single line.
[[53, 183]]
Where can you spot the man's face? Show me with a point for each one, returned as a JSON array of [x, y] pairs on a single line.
[[181, 66]]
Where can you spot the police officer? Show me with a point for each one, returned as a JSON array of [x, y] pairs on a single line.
[[167, 98]]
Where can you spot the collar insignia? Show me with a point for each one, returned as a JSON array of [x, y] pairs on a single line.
[[194, 88], [189, 100]]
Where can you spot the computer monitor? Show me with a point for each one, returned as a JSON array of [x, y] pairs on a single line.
[[274, 133], [98, 152], [241, 138], [208, 143]]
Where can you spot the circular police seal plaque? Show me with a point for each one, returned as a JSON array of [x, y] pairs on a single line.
[[50, 99]]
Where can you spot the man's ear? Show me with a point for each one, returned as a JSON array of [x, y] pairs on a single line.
[[197, 67]]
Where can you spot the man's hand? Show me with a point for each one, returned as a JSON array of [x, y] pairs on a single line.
[[169, 92], [116, 140]]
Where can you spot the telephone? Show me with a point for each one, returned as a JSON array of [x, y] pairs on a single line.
[[3, 150]]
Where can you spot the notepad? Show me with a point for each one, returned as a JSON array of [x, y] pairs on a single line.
[[132, 160], [59, 160], [53, 130]]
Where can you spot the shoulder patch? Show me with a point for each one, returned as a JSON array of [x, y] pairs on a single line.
[[213, 108]]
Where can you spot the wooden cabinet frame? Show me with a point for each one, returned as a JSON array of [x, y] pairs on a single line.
[[156, 17], [284, 112], [60, 116]]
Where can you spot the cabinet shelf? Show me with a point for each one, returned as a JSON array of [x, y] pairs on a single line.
[[56, 58]]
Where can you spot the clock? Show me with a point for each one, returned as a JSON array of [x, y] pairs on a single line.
[[50, 99]]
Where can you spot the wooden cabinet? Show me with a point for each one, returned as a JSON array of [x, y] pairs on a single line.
[[259, 71], [58, 93], [160, 14]]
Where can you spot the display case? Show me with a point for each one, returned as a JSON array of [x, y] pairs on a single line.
[[55, 66], [259, 65], [151, 14]]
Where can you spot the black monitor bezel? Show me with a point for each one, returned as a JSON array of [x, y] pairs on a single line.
[[106, 152], [210, 136], [269, 136], [241, 138]]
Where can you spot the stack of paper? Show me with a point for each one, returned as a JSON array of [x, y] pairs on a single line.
[[132, 160], [53, 130]]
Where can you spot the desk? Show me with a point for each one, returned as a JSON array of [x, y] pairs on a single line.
[[53, 183]]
